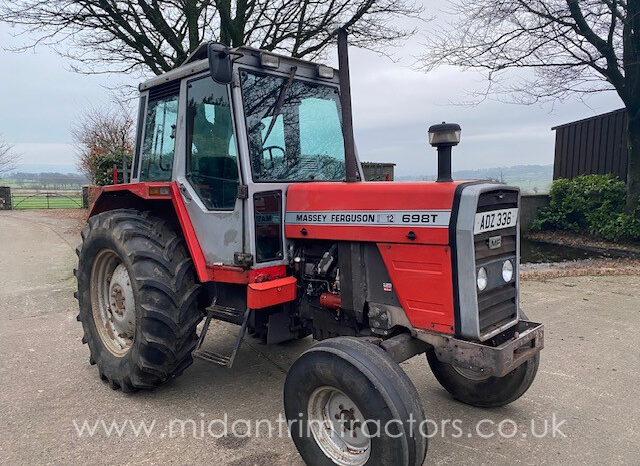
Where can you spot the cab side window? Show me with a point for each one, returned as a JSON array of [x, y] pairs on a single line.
[[212, 162], [159, 138]]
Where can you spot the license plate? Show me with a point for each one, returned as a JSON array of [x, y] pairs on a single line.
[[495, 220]]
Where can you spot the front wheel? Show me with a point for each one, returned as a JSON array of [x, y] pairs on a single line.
[[348, 403], [483, 391]]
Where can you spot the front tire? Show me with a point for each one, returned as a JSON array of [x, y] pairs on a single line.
[[137, 295], [349, 403], [482, 391]]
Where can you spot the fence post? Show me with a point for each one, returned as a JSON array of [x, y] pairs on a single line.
[[5, 198], [48, 201], [85, 197], [124, 170]]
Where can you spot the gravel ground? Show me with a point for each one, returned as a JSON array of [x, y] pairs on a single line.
[[588, 378], [580, 268], [586, 267], [567, 238]]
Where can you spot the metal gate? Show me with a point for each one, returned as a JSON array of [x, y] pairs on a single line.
[[46, 200]]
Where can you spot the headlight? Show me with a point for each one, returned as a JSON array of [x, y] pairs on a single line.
[[507, 271], [482, 278], [269, 61], [325, 72]]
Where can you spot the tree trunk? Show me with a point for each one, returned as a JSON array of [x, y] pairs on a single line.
[[630, 94], [633, 170]]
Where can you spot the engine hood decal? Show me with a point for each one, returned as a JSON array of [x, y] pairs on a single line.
[[381, 212], [373, 218]]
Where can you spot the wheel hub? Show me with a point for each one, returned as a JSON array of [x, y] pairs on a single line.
[[112, 302], [338, 427], [471, 374], [118, 303]]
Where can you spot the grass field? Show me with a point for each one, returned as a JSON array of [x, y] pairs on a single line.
[[46, 201]]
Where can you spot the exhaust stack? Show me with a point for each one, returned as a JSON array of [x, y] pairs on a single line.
[[443, 137], [351, 165]]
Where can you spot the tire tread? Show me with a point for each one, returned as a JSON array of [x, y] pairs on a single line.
[[163, 273]]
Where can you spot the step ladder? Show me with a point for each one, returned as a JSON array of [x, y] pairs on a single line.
[[226, 314]]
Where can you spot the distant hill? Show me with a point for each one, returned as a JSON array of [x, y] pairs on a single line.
[[529, 178], [45, 168], [45, 180]]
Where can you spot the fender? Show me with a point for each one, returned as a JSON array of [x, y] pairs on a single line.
[[165, 197]]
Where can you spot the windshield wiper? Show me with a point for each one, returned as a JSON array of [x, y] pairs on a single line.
[[280, 102]]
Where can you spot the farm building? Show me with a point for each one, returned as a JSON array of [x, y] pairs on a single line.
[[595, 145], [375, 171]]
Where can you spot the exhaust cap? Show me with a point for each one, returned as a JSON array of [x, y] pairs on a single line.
[[444, 134], [443, 137]]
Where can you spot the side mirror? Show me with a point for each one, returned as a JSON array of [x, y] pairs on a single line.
[[219, 62]]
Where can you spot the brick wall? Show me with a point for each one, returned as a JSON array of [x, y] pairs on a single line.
[[529, 205]]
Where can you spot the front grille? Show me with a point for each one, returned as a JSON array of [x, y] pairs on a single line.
[[498, 199], [497, 305]]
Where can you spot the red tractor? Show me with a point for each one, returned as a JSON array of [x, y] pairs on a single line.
[[247, 204]]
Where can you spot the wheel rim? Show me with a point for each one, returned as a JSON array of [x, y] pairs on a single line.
[[113, 303], [471, 374], [339, 427]]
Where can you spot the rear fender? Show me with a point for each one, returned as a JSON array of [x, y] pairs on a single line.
[[164, 200]]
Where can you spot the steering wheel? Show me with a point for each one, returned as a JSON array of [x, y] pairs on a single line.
[[270, 149]]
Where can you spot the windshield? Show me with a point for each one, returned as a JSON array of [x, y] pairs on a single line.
[[294, 129]]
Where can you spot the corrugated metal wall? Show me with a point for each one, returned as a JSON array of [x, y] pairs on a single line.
[[596, 145], [374, 171]]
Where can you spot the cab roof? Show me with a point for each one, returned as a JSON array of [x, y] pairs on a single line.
[[197, 62]]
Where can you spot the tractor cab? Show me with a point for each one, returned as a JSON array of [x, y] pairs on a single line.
[[233, 128]]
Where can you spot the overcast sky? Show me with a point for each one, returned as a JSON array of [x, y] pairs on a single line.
[[393, 106]]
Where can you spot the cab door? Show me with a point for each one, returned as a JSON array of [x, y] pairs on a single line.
[[208, 172]]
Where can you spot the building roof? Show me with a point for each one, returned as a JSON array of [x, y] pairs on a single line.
[[613, 112], [197, 62], [378, 164]]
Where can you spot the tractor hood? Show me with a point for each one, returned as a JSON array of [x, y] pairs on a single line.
[[380, 212]]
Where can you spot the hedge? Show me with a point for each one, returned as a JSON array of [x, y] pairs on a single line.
[[102, 167], [590, 203]]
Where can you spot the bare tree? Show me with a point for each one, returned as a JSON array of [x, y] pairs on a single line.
[[158, 35], [8, 158], [100, 133], [573, 47]]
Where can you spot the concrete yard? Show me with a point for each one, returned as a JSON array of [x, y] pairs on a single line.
[[589, 377]]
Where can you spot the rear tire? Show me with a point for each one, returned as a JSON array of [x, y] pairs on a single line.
[[368, 388], [142, 329], [484, 392]]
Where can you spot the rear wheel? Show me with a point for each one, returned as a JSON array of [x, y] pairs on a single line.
[[349, 403], [137, 294], [480, 390]]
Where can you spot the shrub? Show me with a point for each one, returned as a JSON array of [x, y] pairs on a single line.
[[102, 166], [622, 226], [589, 203]]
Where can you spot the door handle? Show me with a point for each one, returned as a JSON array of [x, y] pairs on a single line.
[[183, 190]]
